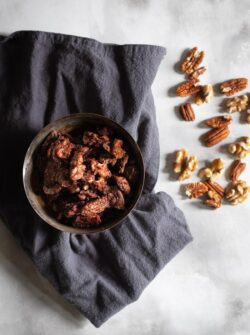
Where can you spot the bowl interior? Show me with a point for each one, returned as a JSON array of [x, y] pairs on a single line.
[[69, 123]]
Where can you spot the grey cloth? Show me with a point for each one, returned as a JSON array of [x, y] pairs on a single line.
[[44, 76]]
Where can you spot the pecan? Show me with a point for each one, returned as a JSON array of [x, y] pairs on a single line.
[[187, 112], [100, 168], [122, 164], [93, 139], [237, 192], [233, 86], [61, 148], [196, 190], [117, 149], [96, 206], [236, 170], [215, 136], [198, 72], [188, 88], [123, 184], [219, 121], [204, 95], [77, 168], [89, 218], [214, 200], [213, 186], [192, 60], [131, 172], [116, 198], [237, 104]]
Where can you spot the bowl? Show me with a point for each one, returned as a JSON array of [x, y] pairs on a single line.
[[30, 174]]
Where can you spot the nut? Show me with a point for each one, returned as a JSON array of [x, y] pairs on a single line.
[[198, 72], [214, 170], [240, 148], [188, 88], [237, 192], [236, 170], [192, 60], [248, 116], [213, 186], [219, 121], [215, 136], [233, 86], [237, 104], [204, 95], [214, 200], [185, 165], [195, 190], [187, 112]]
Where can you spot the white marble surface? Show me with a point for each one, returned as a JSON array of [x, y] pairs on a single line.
[[206, 289]]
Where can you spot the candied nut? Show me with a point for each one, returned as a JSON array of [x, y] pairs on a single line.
[[93, 139], [100, 168], [77, 168], [96, 206], [116, 198], [86, 220], [214, 170], [237, 192], [219, 121], [198, 72], [190, 166], [233, 86], [213, 186], [187, 112], [117, 149], [216, 135], [188, 88], [192, 60], [204, 95], [214, 199], [122, 164], [123, 184], [240, 148], [61, 148], [248, 116], [180, 160], [237, 104], [196, 190], [236, 170]]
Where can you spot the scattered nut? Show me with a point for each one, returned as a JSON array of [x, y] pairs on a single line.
[[187, 112], [219, 121], [196, 190], [237, 104], [240, 148], [214, 199], [248, 116], [215, 136], [213, 186], [236, 170], [188, 88], [237, 192], [214, 170], [192, 60], [204, 95], [198, 72], [185, 165], [233, 86]]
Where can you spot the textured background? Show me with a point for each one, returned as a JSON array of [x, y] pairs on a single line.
[[205, 289]]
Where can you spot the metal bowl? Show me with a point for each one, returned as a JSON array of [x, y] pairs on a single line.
[[69, 123]]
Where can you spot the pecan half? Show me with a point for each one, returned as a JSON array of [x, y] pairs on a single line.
[[233, 86], [196, 190], [188, 88], [192, 60], [216, 135], [187, 112], [213, 186], [198, 72], [219, 121], [236, 169], [214, 200]]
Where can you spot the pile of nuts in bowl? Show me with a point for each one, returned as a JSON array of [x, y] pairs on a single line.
[[209, 190]]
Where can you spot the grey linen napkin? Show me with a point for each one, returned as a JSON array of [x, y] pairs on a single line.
[[44, 76]]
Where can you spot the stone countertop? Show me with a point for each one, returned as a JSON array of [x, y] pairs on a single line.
[[206, 288]]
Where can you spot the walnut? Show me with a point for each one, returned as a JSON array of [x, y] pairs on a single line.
[[236, 169], [190, 166], [180, 160], [204, 95], [196, 190], [192, 61], [240, 148], [237, 192], [237, 104], [214, 170]]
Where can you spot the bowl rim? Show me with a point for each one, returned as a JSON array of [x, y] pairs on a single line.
[[43, 133]]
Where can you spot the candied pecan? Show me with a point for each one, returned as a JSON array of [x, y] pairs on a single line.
[[87, 194], [219, 121], [236, 169], [96, 206], [188, 88], [123, 184], [116, 198], [233, 86], [77, 168], [216, 135], [131, 172], [55, 177], [192, 61], [196, 190], [101, 185], [71, 209], [187, 112], [82, 221], [100, 168], [122, 163], [74, 188], [61, 148], [117, 149], [93, 139]]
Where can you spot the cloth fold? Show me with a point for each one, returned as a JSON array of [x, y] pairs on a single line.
[[44, 76]]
